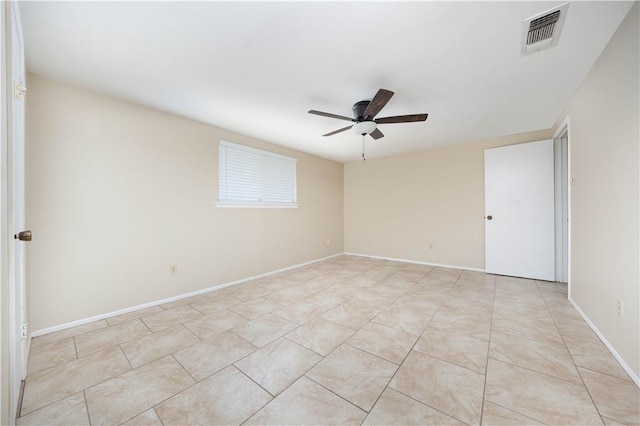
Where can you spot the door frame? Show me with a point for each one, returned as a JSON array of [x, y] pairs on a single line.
[[565, 126], [4, 229]]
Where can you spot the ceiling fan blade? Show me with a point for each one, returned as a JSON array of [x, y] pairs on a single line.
[[328, 114], [378, 102], [377, 134], [402, 119], [338, 131]]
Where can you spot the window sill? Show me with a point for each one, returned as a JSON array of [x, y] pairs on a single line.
[[256, 206]]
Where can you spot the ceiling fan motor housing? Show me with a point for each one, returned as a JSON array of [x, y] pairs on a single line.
[[358, 110]]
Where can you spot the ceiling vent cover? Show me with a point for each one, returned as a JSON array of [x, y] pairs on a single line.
[[542, 31]]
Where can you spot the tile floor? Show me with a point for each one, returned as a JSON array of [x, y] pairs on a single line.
[[349, 340]]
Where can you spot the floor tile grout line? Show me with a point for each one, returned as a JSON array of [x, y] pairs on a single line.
[[544, 374], [72, 360], [338, 395], [197, 310], [85, 389], [372, 354], [516, 412], [423, 403], [450, 362], [343, 343], [584, 385], [288, 386], [72, 336], [390, 380], [161, 356], [486, 365], [553, 317], [184, 325], [256, 383], [126, 357], [106, 329], [48, 405], [39, 349], [540, 343], [195, 382], [146, 325], [187, 371], [528, 338], [157, 414], [252, 344], [169, 397], [324, 356], [405, 358], [86, 406], [307, 349], [627, 379], [75, 347]]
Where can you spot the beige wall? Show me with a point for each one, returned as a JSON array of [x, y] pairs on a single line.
[[116, 193], [426, 206], [604, 140]]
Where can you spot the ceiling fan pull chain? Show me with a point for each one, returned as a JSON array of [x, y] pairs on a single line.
[[363, 159]]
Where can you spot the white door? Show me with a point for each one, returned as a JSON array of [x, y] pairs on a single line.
[[16, 166], [519, 210]]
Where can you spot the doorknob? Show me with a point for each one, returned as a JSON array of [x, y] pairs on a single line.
[[489, 217], [23, 236]]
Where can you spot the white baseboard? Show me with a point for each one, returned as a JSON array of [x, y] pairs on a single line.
[[615, 354], [466, 268], [170, 299]]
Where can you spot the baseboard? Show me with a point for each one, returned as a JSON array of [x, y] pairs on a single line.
[[615, 354], [170, 299], [466, 268]]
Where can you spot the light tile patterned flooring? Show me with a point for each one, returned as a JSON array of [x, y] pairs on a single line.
[[348, 340]]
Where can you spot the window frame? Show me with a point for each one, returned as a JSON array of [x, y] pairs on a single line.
[[230, 203]]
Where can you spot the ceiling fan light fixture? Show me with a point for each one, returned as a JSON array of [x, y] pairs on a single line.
[[364, 127]]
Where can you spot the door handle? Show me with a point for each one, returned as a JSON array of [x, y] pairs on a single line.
[[489, 217], [23, 236]]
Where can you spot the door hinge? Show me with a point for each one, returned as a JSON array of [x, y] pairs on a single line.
[[24, 330], [19, 90]]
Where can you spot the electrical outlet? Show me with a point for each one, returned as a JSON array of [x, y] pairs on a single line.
[[173, 270], [620, 308], [326, 242]]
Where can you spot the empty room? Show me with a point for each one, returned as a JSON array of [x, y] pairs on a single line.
[[290, 212]]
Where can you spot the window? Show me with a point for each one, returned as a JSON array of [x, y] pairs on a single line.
[[250, 177]]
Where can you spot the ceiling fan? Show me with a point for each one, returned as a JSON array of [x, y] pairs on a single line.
[[364, 113]]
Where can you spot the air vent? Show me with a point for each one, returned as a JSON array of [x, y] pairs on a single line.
[[542, 31]]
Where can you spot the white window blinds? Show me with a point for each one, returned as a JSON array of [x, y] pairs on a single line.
[[250, 177]]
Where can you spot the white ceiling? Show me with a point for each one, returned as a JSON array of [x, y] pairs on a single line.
[[258, 67]]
